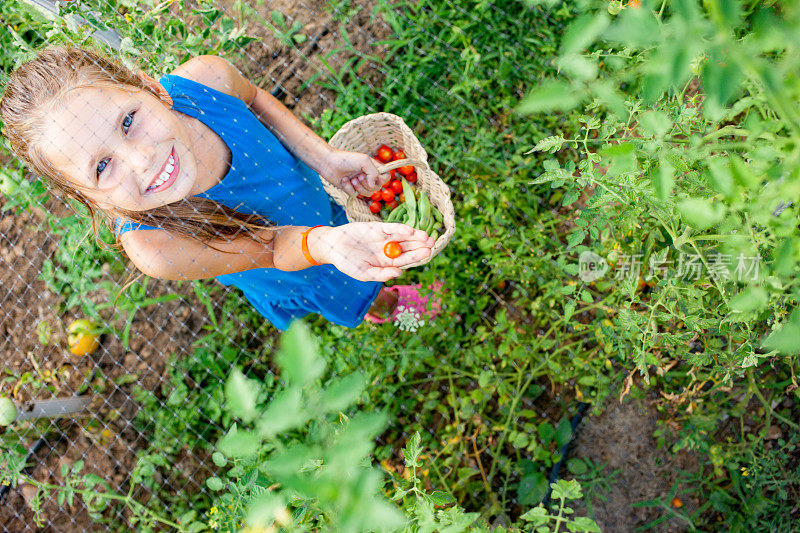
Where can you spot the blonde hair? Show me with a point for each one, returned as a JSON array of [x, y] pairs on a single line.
[[37, 87]]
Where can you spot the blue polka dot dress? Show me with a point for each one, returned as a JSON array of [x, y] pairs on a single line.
[[266, 179]]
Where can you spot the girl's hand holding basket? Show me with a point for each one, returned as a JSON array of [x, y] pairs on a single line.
[[365, 135], [353, 172]]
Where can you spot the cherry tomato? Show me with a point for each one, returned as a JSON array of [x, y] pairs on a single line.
[[398, 155], [391, 205], [384, 154], [402, 198], [412, 177], [406, 170], [375, 207], [393, 174], [392, 250], [376, 196], [397, 186], [387, 195]]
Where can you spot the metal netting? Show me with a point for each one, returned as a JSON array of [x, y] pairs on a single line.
[[167, 347], [151, 397]]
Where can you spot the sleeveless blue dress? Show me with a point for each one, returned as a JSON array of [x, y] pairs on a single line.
[[266, 179]]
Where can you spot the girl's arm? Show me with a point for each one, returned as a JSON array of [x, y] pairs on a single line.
[[355, 172], [355, 249], [352, 171]]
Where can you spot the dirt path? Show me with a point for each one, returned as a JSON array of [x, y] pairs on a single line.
[[621, 437]]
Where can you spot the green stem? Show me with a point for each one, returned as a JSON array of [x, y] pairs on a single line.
[[766, 404], [130, 503], [560, 517]]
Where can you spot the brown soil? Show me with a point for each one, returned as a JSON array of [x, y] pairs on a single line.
[[294, 70], [105, 438], [621, 438]]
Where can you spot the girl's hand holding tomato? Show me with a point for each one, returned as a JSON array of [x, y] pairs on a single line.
[[354, 172], [357, 249]]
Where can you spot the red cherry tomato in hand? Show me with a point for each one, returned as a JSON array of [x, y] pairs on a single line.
[[398, 155], [385, 154], [375, 207], [397, 186], [393, 174], [376, 196], [387, 195], [392, 205], [392, 250], [412, 177]]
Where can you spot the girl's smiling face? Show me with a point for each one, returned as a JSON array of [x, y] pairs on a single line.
[[122, 148]]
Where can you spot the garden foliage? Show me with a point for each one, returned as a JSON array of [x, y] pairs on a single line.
[[582, 140]]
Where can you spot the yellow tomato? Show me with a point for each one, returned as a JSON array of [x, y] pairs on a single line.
[[83, 338]]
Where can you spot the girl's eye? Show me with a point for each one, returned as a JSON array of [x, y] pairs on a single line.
[[127, 122]]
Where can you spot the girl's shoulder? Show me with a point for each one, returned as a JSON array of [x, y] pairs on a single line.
[[219, 74]]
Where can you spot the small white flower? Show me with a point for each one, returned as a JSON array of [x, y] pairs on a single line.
[[407, 319]]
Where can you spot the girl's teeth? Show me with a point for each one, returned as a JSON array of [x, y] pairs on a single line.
[[164, 176]]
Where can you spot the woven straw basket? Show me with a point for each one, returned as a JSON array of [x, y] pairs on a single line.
[[365, 134]]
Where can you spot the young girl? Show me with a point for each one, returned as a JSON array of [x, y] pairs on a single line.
[[201, 174]]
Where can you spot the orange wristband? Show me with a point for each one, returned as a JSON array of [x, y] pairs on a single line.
[[304, 246]]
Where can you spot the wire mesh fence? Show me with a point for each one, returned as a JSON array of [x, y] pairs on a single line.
[[192, 144], [137, 452]]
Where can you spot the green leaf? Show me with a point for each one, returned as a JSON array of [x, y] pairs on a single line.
[[612, 97], [241, 394], [551, 95], [582, 32], [412, 450], [214, 483], [567, 490], [441, 499], [721, 178], [263, 509], [700, 213], [655, 123], [283, 412], [663, 179], [219, 459], [381, 515], [634, 27], [785, 259], [239, 443], [785, 340], [749, 300], [721, 82], [563, 433], [298, 356], [585, 524], [278, 18], [577, 466], [546, 432], [578, 66], [743, 174], [532, 489], [575, 238], [549, 144], [537, 516], [622, 155], [342, 393]]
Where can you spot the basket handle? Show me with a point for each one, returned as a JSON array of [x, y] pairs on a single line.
[[383, 169]]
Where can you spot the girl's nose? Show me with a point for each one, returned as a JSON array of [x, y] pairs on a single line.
[[140, 158]]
